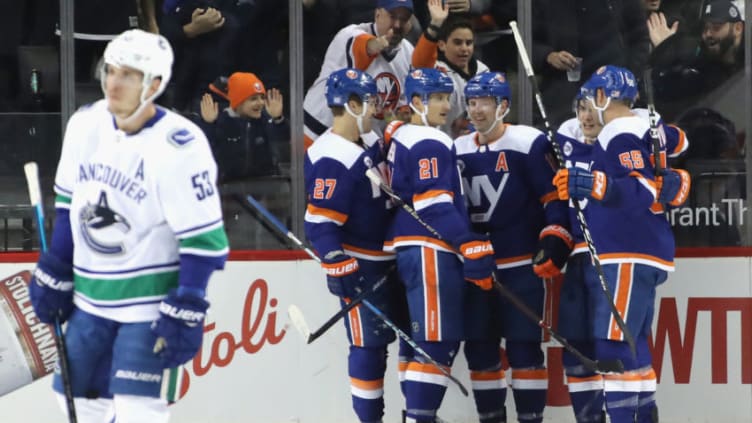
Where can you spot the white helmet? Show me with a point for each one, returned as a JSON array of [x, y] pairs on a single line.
[[147, 52]]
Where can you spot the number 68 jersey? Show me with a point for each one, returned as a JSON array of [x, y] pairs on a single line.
[[137, 202]]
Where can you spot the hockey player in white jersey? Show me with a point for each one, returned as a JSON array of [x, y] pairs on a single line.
[[378, 48], [138, 232]]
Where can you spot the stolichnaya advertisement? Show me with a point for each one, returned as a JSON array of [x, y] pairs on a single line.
[[255, 367]]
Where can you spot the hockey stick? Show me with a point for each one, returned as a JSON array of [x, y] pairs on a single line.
[[653, 119], [578, 209], [608, 366], [260, 218], [296, 314], [279, 226], [373, 308], [35, 197]]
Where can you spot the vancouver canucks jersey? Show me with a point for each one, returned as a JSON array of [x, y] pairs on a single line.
[[641, 235], [136, 203], [510, 193], [424, 174], [346, 210]]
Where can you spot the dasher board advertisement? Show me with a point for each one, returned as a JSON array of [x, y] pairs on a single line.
[[254, 366]]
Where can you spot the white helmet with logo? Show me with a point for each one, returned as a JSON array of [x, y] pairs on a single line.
[[144, 51]]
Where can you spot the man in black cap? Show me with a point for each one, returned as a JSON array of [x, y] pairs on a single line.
[[722, 33], [685, 71]]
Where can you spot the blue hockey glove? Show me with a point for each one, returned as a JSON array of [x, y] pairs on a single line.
[[342, 277], [51, 289], [180, 327], [478, 255], [673, 187], [580, 183], [555, 243]]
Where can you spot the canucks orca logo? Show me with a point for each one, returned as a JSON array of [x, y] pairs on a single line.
[[103, 229]]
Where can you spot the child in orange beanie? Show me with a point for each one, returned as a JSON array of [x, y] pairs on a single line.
[[243, 135]]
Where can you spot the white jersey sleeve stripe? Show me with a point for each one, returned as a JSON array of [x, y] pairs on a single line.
[[126, 273], [429, 201], [200, 252], [62, 191], [196, 230]]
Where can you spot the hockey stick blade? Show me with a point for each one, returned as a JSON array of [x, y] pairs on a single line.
[[31, 171], [299, 322], [346, 309], [296, 315]]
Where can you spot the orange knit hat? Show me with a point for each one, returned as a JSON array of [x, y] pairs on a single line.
[[242, 85]]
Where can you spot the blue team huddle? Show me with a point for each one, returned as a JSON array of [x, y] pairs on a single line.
[[496, 206]]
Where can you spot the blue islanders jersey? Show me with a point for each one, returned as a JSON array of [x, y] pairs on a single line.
[[509, 189], [345, 211], [423, 173], [626, 229], [577, 153], [673, 139]]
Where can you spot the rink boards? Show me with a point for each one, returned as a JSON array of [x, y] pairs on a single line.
[[254, 367]]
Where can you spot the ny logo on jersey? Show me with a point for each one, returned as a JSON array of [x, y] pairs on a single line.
[[480, 187], [389, 90]]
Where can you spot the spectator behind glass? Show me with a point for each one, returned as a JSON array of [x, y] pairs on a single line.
[[600, 32], [243, 136], [661, 23], [322, 19], [448, 44], [203, 34], [380, 49], [683, 72]]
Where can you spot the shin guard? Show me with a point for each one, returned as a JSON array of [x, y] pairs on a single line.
[[488, 380], [425, 385], [366, 369]]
